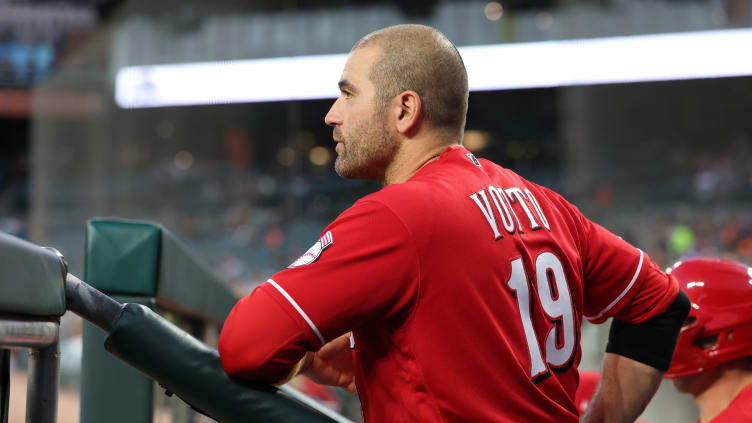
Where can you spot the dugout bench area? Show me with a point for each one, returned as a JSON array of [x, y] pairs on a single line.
[[133, 269]]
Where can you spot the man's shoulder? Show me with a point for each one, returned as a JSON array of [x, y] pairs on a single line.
[[414, 190], [415, 203], [394, 199], [384, 201]]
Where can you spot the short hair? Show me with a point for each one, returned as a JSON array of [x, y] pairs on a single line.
[[421, 59]]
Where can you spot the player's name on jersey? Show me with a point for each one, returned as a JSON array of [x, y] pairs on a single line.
[[498, 207]]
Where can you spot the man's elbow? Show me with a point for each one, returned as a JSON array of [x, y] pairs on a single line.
[[231, 357], [239, 346], [255, 342], [242, 362]]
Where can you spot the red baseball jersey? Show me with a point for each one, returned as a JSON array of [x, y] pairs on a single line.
[[586, 389], [464, 288], [739, 410]]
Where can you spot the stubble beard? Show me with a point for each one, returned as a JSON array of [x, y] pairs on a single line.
[[367, 150]]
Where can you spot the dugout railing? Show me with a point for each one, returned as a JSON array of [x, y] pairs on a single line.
[[142, 263], [32, 299], [36, 289]]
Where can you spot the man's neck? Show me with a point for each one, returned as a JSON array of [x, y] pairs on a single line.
[[717, 397], [414, 154]]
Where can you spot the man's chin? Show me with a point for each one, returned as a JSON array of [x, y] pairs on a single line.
[[343, 170], [350, 172]]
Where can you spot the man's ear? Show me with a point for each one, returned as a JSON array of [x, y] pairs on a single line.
[[409, 112]]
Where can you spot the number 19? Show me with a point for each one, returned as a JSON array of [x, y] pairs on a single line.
[[554, 296]]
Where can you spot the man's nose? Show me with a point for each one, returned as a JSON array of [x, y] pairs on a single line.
[[333, 117]]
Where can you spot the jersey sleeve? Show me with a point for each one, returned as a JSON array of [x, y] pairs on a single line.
[[366, 271], [620, 280], [260, 341], [364, 268]]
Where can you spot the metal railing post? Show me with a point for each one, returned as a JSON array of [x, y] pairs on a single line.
[[4, 385], [41, 389]]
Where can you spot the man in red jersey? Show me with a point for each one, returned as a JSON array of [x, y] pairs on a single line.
[[463, 284], [713, 358]]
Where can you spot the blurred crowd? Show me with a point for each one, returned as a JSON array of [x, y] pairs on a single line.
[[247, 224]]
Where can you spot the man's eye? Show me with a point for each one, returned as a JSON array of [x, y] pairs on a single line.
[[347, 94]]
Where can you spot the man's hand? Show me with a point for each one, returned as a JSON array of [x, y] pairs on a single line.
[[331, 365], [626, 388]]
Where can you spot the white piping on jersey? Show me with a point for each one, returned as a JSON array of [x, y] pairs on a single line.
[[300, 310], [634, 278]]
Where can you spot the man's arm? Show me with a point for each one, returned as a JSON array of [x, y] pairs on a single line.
[[255, 344], [636, 358], [308, 307], [625, 389]]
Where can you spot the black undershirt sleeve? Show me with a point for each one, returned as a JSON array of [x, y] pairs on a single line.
[[651, 342]]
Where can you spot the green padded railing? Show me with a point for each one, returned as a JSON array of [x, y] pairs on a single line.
[[32, 298], [139, 262], [36, 288], [32, 279], [126, 257], [143, 264], [188, 368]]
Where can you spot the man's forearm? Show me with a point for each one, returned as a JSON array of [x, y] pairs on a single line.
[[625, 389], [637, 356]]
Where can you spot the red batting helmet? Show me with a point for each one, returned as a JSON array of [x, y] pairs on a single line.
[[719, 326]]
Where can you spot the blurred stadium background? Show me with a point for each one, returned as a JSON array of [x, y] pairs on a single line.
[[249, 184]]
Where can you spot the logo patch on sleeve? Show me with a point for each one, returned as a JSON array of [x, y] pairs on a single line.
[[314, 252], [472, 158]]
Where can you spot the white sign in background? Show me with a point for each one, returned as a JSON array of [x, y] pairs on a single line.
[[640, 58]]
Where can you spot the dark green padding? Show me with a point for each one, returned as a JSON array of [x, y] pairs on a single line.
[[112, 391], [141, 258], [187, 281], [31, 279], [122, 256], [188, 368]]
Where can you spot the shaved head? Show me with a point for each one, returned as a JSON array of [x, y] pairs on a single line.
[[421, 59]]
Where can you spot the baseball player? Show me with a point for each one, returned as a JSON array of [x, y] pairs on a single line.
[[713, 359], [462, 284]]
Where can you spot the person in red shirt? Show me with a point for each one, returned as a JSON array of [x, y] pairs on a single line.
[[713, 357], [456, 292]]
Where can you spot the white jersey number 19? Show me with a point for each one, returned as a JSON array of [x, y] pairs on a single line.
[[553, 294]]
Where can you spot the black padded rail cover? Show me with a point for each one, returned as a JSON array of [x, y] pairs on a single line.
[[186, 367]]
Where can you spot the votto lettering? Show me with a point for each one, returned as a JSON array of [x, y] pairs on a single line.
[[500, 207]]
